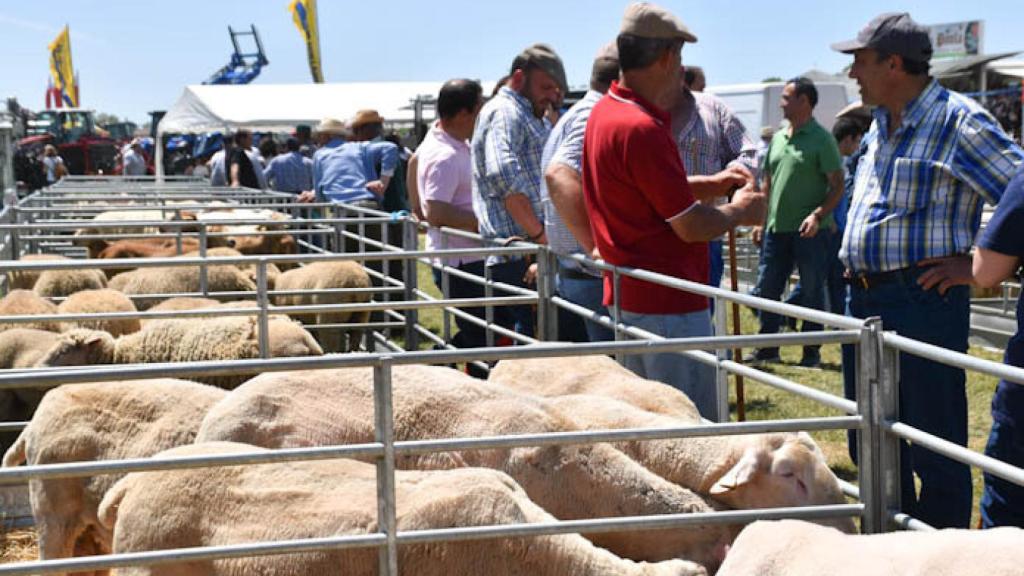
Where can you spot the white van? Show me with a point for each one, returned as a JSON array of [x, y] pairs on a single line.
[[757, 105]]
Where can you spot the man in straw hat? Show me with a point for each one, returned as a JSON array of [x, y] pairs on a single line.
[[642, 210], [346, 171], [932, 158], [506, 148]]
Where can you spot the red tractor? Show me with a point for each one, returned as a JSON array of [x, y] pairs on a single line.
[[85, 149]]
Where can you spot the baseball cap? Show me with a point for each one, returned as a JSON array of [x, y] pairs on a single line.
[[893, 33]]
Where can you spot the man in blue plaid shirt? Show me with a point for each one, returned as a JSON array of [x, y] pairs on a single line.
[[932, 157], [507, 147]]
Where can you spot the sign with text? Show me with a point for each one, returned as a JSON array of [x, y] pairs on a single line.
[[957, 39]]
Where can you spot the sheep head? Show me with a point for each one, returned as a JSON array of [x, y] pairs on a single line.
[[781, 470], [80, 347]]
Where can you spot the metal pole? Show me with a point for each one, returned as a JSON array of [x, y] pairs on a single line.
[[203, 287], [489, 309], [410, 240], [616, 308], [737, 353], [445, 291], [384, 433], [547, 313], [721, 374], [887, 408], [263, 301], [869, 357]]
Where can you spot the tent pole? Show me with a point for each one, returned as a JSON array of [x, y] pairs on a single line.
[[159, 161]]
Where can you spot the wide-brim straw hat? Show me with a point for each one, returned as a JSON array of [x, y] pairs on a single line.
[[330, 126]]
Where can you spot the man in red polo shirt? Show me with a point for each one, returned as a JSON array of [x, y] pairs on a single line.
[[642, 211]]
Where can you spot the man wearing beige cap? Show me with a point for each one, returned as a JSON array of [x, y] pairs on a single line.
[[366, 125], [506, 150], [642, 210]]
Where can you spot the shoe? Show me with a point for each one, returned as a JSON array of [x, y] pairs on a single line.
[[811, 359], [762, 356]]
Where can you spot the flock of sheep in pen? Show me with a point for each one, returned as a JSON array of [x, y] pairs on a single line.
[[220, 415]]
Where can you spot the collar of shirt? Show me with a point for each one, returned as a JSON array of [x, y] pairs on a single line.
[[334, 142], [627, 96], [441, 135], [913, 113], [806, 126]]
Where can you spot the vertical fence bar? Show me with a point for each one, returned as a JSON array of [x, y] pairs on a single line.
[[410, 240], [446, 316], [547, 312], [887, 407], [203, 287], [721, 374], [384, 433], [616, 308], [489, 308], [869, 358], [263, 301]]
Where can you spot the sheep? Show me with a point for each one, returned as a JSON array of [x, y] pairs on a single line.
[[60, 283], [326, 407], [99, 421], [749, 471], [193, 303], [249, 269], [21, 348], [95, 246], [26, 279], [105, 300], [322, 276], [27, 303], [179, 279], [184, 340], [163, 247], [795, 548], [298, 500], [598, 375]]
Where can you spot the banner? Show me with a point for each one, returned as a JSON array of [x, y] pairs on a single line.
[[62, 70], [304, 16], [957, 39]]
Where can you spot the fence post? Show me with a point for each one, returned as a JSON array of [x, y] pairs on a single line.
[[721, 374], [384, 433], [410, 243], [547, 312], [203, 287], [872, 476], [263, 301], [887, 408]]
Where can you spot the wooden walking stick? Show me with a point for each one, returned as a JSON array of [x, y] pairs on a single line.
[[737, 354]]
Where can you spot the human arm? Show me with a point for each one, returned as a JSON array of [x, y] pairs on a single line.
[[445, 214], [386, 155], [757, 233], [566, 191], [521, 211], [809, 226], [233, 176], [701, 223], [721, 183], [412, 185]]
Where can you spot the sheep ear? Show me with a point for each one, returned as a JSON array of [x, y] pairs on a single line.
[[744, 472]]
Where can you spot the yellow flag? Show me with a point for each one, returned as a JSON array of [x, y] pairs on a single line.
[[304, 16], [62, 70]]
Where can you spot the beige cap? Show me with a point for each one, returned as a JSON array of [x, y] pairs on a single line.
[[545, 58], [330, 126], [857, 110], [364, 117], [649, 21]]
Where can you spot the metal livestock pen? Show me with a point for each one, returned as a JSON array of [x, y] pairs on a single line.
[[41, 222]]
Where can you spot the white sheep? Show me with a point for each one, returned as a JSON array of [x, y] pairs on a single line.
[[795, 548], [323, 276], [60, 283], [598, 375], [249, 269], [100, 301], [325, 407], [100, 421], [27, 303], [21, 348], [184, 340], [179, 279], [298, 500], [26, 279], [747, 471], [193, 303]]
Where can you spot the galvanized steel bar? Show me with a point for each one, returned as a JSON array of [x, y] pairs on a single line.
[[384, 434], [869, 360], [956, 452], [264, 304]]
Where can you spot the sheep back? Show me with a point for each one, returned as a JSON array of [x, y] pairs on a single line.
[[28, 303], [103, 300]]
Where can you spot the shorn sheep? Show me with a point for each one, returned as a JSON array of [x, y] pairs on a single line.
[[324, 407], [795, 548], [228, 505], [60, 283], [179, 279], [104, 300], [26, 279], [184, 340], [100, 421], [21, 348], [322, 276], [27, 303]]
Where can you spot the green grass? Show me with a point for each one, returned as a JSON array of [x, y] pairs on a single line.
[[763, 402]]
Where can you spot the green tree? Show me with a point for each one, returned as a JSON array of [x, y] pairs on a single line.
[[772, 79]]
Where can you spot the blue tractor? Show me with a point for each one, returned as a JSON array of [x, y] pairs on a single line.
[[243, 68]]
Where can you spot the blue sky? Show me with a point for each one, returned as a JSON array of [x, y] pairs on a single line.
[[137, 56]]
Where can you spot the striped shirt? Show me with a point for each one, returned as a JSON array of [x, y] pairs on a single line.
[[918, 193], [507, 146], [565, 146], [709, 136]]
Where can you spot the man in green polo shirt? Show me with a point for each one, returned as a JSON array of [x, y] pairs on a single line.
[[803, 179]]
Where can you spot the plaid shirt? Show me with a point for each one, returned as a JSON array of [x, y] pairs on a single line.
[[507, 147], [710, 137], [918, 192], [565, 146]]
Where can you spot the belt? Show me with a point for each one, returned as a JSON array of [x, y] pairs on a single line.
[[870, 280], [574, 274]]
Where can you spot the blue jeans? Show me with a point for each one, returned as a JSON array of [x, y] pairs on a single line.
[[835, 284], [588, 293], [1002, 502], [782, 251], [694, 379], [932, 396], [518, 318]]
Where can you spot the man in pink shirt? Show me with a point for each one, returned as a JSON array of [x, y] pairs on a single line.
[[444, 177]]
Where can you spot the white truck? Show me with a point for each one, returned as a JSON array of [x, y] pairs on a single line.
[[757, 105]]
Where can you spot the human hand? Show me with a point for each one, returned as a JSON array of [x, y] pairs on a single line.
[[734, 176], [946, 272], [809, 227], [376, 186], [751, 204], [595, 254], [531, 274], [306, 196]]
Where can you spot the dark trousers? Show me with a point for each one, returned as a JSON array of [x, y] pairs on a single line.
[[470, 335], [518, 318], [1002, 502], [781, 251], [932, 396]]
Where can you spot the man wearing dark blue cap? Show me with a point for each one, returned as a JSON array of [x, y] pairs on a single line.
[[933, 157]]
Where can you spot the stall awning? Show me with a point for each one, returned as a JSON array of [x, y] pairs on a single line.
[[947, 68]]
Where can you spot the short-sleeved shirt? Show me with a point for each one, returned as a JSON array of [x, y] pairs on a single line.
[[634, 183], [444, 173], [246, 172], [290, 172], [799, 166], [1005, 235], [341, 170]]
